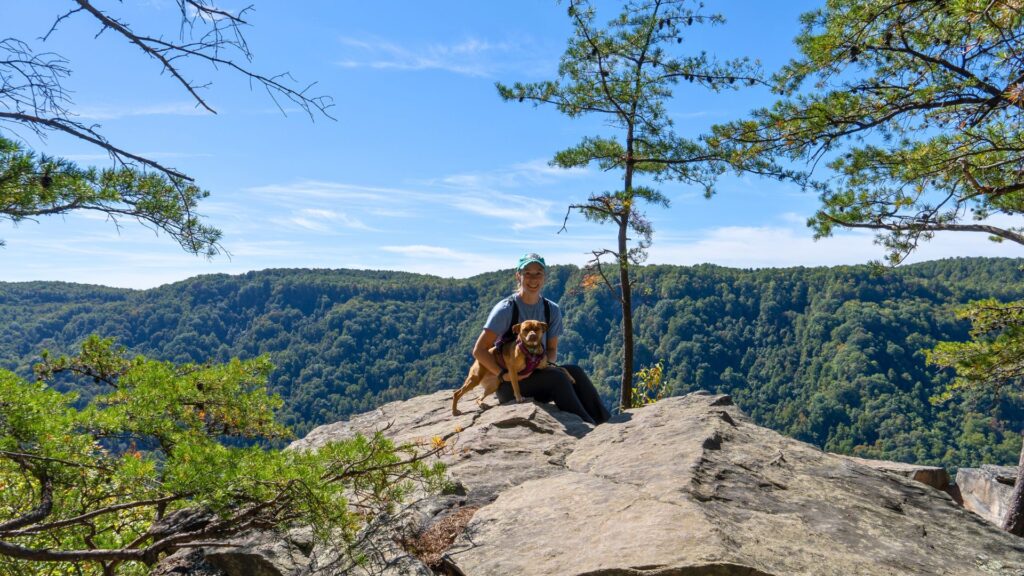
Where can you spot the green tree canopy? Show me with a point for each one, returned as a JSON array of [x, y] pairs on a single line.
[[991, 363], [916, 106], [84, 487], [34, 99], [33, 186]]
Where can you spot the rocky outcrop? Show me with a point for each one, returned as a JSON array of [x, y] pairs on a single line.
[[685, 486], [492, 449], [986, 491], [260, 553], [187, 562], [934, 476], [690, 485]]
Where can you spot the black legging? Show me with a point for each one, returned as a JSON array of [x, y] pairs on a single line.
[[551, 385]]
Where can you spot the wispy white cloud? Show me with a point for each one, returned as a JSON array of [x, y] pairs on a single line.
[[759, 247], [393, 213], [531, 173], [423, 250], [695, 114], [444, 261], [481, 194], [520, 212], [322, 220], [497, 193], [101, 113], [207, 16], [544, 171], [263, 248], [319, 189], [469, 57], [793, 218], [306, 223], [773, 247]]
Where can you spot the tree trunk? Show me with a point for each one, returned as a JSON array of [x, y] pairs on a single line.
[[625, 290], [626, 395], [1014, 521]]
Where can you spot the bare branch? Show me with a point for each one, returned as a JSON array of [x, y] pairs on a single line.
[[89, 135], [121, 29], [50, 555], [82, 518], [32, 93], [25, 456], [923, 227]]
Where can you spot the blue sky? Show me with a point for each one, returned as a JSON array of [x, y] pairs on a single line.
[[425, 168]]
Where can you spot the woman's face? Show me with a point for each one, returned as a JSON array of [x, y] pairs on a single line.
[[531, 278]]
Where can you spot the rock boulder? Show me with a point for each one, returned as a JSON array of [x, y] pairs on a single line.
[[986, 491], [688, 485], [934, 476]]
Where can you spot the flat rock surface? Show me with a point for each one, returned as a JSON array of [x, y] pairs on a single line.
[[492, 448], [934, 476], [690, 486], [687, 486]]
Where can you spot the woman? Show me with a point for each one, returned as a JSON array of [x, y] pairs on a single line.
[[551, 384]]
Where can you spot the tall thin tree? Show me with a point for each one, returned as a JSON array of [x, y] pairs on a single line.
[[625, 72]]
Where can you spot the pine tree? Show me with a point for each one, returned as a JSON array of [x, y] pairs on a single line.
[[625, 72]]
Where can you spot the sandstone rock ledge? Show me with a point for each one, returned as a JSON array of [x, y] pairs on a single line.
[[688, 486], [986, 491]]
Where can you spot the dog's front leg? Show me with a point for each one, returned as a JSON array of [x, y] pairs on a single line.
[[513, 376]]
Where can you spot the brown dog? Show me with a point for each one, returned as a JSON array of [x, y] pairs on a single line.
[[517, 356]]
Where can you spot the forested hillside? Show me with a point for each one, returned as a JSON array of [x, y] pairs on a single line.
[[828, 355]]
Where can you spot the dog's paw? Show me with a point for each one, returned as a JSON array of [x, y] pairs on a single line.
[[520, 400]]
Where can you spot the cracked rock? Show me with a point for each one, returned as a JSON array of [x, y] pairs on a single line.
[[688, 485]]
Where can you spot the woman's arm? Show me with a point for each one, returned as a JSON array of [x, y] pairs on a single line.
[[482, 350], [552, 349]]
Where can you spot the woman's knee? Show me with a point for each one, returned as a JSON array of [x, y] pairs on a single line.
[[557, 377], [573, 369], [562, 390], [576, 373]]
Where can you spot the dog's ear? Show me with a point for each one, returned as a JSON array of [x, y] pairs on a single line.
[[515, 329], [543, 326]]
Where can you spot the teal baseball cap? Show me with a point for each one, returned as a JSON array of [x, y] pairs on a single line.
[[530, 258]]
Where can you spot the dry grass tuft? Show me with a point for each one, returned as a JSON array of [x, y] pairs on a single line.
[[431, 544]]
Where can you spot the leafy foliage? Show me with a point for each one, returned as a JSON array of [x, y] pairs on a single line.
[[990, 364], [32, 186], [993, 358], [833, 356], [85, 487], [917, 105], [650, 386], [34, 97]]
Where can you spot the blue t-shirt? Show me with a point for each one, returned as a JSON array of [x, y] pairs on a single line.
[[500, 318]]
